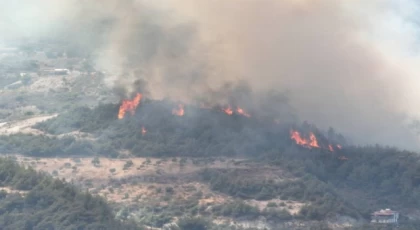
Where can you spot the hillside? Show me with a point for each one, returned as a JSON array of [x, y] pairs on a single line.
[[144, 163], [156, 166], [32, 200]]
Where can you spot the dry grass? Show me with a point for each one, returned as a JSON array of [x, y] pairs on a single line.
[[293, 207], [141, 167], [101, 178]]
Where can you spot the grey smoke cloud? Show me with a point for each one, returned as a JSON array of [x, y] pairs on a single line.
[[337, 69], [316, 51]]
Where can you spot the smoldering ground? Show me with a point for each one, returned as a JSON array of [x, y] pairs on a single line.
[[318, 53]]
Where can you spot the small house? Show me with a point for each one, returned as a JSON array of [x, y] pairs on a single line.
[[52, 71], [385, 216]]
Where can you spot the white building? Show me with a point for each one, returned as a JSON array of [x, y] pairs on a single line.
[[385, 216], [52, 71]]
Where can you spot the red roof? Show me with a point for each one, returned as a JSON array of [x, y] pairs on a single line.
[[386, 212]]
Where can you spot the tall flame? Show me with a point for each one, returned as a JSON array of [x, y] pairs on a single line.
[[242, 112], [312, 142], [129, 106], [179, 111]]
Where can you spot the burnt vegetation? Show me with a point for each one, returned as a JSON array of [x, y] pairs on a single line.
[[352, 181]]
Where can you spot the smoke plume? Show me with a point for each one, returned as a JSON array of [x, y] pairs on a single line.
[[336, 60]]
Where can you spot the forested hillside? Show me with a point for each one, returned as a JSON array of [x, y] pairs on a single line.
[[32, 200], [333, 178]]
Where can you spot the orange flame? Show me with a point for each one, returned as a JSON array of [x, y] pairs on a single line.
[[242, 112], [311, 143], [295, 135], [228, 110], [143, 130], [129, 106], [314, 141], [330, 147], [178, 111]]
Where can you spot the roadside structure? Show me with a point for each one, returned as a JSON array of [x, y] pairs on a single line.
[[385, 216]]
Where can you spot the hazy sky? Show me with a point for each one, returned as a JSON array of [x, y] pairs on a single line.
[[350, 64]]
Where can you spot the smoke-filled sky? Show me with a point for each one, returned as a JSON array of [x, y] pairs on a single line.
[[349, 64]]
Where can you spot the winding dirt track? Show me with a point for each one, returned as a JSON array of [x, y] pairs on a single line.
[[23, 126]]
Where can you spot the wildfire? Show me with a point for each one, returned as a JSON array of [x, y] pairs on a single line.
[[339, 147], [242, 112], [143, 130], [179, 111], [330, 147], [129, 106], [228, 110], [312, 142]]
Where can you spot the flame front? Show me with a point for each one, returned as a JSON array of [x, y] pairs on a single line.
[[143, 131], [129, 106], [295, 135], [330, 147], [312, 142], [179, 111], [242, 112], [228, 110]]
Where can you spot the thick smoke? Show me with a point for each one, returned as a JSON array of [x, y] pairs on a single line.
[[327, 55]]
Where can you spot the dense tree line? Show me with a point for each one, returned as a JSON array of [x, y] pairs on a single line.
[[201, 132], [372, 177], [81, 118], [46, 203], [44, 146], [323, 199]]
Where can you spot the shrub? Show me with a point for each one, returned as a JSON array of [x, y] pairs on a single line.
[[169, 190], [96, 162], [128, 164], [193, 223], [271, 205]]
